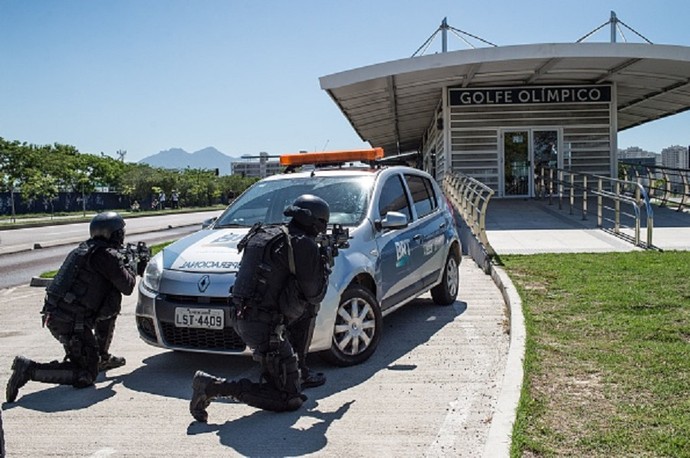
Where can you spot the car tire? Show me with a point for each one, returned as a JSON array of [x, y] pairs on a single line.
[[445, 292], [357, 328]]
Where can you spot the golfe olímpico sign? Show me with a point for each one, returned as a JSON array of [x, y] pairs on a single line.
[[530, 95]]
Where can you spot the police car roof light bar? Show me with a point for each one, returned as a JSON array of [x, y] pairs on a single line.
[[331, 157]]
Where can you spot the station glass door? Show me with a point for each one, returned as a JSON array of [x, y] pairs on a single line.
[[516, 163], [525, 152]]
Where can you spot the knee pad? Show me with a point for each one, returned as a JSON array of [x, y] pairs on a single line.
[[83, 356], [283, 371]]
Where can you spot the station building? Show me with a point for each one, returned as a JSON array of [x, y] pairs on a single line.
[[500, 113]]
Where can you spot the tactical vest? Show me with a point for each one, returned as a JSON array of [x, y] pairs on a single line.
[[77, 288], [259, 280]]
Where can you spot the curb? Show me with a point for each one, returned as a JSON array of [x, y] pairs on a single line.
[[499, 439], [40, 281]]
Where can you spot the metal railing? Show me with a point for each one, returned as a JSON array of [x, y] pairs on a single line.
[[666, 185], [471, 198], [610, 193]]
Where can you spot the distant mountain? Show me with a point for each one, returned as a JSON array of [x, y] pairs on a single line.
[[177, 158]]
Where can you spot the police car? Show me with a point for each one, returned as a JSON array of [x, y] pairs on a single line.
[[402, 243]]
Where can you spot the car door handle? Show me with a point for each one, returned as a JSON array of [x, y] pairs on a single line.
[[442, 226], [417, 237]]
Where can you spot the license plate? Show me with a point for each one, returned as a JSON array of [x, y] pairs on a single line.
[[199, 318]]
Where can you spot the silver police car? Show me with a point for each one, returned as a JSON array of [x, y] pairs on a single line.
[[403, 243]]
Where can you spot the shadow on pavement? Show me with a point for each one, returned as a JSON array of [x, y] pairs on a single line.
[[304, 431], [285, 434], [64, 398], [170, 373]]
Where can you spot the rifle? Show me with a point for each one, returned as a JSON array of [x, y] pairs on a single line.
[[137, 256], [331, 243]]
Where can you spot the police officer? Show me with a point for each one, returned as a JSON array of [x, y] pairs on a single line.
[[282, 280], [80, 308], [2, 438]]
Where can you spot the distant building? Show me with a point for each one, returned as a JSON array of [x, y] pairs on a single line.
[[637, 155], [675, 157], [256, 166]]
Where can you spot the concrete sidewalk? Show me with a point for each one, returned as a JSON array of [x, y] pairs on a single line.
[[519, 226], [432, 388]]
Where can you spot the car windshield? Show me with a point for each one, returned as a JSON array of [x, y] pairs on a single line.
[[347, 197]]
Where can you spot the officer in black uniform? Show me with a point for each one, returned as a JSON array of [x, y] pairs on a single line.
[[281, 282], [81, 306], [2, 438]]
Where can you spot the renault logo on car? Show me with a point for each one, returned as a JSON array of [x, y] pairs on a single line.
[[203, 283]]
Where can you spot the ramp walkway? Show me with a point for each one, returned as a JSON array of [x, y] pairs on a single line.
[[529, 226]]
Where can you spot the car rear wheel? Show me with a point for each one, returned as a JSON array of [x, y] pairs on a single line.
[[357, 328], [445, 292]]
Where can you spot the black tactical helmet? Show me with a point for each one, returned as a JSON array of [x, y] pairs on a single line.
[[108, 226], [310, 212]]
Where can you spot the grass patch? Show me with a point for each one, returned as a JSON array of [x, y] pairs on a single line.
[[154, 249], [607, 364]]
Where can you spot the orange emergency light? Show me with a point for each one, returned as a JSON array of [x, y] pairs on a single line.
[[331, 157]]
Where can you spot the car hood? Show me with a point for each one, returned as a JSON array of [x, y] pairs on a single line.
[[209, 251]]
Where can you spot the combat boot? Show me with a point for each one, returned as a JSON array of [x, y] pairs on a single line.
[[311, 379], [108, 361], [202, 395], [22, 369]]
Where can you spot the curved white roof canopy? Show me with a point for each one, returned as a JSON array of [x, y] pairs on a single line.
[[391, 104]]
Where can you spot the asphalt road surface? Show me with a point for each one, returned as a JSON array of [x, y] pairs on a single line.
[[20, 260]]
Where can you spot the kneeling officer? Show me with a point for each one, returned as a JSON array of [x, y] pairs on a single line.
[[282, 279], [80, 308]]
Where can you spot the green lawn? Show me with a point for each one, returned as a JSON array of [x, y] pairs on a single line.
[[607, 366]]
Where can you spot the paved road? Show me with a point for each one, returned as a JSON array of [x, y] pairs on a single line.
[[431, 389], [20, 261], [14, 240]]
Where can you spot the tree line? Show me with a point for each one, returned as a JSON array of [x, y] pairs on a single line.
[[42, 171]]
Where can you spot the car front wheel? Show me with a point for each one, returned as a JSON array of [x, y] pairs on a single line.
[[445, 292], [357, 328]]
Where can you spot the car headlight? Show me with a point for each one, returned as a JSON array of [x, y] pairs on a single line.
[[153, 273]]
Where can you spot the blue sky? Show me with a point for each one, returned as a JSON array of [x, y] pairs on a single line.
[[242, 76]]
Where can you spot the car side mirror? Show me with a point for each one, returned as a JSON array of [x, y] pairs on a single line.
[[207, 222], [393, 220]]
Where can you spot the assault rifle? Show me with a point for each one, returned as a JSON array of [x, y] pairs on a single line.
[[137, 256], [331, 243]]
